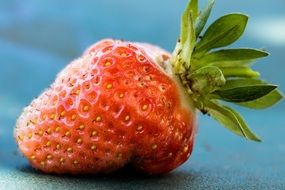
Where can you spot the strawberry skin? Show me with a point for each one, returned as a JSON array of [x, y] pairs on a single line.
[[118, 104]]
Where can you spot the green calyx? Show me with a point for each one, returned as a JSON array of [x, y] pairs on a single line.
[[212, 74]]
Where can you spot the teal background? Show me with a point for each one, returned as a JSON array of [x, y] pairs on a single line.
[[38, 38]]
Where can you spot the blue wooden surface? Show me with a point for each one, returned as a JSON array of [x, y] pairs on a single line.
[[37, 38]]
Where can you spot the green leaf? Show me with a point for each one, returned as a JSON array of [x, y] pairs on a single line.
[[241, 82], [223, 32], [250, 135], [232, 56], [185, 45], [265, 101], [243, 92], [234, 83], [206, 80], [203, 17], [239, 72], [235, 64], [187, 28], [194, 9], [230, 119]]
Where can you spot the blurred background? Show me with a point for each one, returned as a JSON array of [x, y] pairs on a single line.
[[38, 38]]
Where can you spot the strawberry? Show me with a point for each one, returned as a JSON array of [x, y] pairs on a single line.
[[101, 108], [133, 103]]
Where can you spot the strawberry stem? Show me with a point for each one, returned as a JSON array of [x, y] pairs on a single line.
[[209, 76]]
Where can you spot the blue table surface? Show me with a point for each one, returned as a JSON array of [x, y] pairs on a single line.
[[38, 38]]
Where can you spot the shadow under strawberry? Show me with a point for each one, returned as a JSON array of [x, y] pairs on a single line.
[[125, 178]]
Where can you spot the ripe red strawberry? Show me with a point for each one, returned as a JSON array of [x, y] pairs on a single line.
[[112, 106], [133, 103]]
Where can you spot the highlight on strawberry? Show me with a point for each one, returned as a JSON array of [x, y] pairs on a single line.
[[128, 103]]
